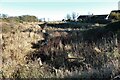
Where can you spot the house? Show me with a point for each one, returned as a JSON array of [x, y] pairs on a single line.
[[119, 5], [83, 17], [102, 17], [92, 18], [114, 15]]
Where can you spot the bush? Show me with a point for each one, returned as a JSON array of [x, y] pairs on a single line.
[[24, 18]]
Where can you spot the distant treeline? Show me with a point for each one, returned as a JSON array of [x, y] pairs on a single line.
[[23, 18]]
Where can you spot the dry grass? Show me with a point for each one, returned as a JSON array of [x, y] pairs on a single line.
[[16, 44], [99, 59]]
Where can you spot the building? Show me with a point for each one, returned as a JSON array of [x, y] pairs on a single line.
[[119, 5], [92, 18], [115, 14], [83, 17]]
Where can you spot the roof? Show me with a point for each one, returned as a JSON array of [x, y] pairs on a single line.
[[93, 16], [100, 16], [83, 16], [116, 11]]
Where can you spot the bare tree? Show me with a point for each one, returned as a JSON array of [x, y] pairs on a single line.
[[3, 16], [68, 17], [74, 15]]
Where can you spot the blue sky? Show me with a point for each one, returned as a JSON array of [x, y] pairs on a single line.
[[56, 10]]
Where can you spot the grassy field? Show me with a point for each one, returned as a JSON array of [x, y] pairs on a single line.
[[71, 52]]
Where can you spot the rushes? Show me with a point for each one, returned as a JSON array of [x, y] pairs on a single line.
[[64, 56], [94, 56]]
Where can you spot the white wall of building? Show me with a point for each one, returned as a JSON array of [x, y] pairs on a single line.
[[119, 5]]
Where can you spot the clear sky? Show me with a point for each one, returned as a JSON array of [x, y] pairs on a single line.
[[56, 10]]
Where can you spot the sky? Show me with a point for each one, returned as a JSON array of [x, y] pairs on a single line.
[[56, 9]]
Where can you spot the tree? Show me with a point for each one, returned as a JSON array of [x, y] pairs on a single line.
[[4, 16], [73, 16], [23, 18], [68, 17], [28, 18]]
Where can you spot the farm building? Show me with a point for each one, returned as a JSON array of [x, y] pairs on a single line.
[[92, 18], [115, 14]]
